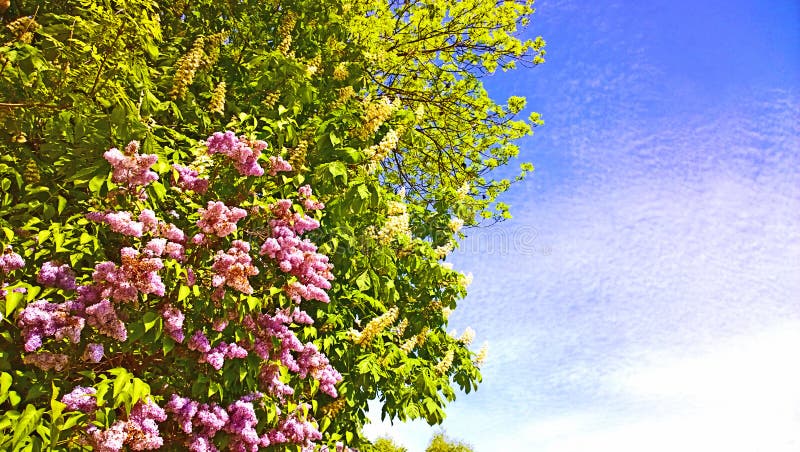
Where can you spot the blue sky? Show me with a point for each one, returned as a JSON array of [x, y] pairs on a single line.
[[646, 295]]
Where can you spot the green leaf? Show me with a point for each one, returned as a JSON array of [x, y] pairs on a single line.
[[13, 300], [183, 292], [97, 183], [5, 384], [26, 424], [149, 320]]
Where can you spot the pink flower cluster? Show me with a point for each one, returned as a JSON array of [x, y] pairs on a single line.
[[309, 360], [216, 356], [81, 399], [58, 276], [137, 273], [297, 428], [10, 261], [278, 165], [243, 152], [47, 361], [42, 319], [131, 168], [103, 318], [162, 247], [203, 421], [295, 256], [93, 353], [308, 203], [188, 179], [232, 268], [123, 223], [218, 219], [173, 322], [139, 432]]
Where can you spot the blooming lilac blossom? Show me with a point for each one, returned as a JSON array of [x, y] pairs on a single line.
[[42, 319], [241, 426], [148, 219], [172, 232], [109, 440], [155, 247], [297, 428], [199, 342], [173, 322], [219, 325], [142, 427], [219, 219], [81, 399], [10, 261], [202, 421], [103, 318], [120, 222], [58, 276], [131, 168], [311, 362], [191, 278], [278, 165], [93, 353], [47, 361], [138, 273], [309, 204], [184, 410], [232, 268], [243, 153], [308, 359], [295, 256], [270, 377], [188, 179], [217, 355], [175, 251]]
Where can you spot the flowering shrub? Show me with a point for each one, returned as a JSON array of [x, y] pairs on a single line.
[[149, 286], [249, 274]]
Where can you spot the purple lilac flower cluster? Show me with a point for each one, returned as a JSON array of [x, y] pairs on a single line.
[[309, 360], [173, 322], [188, 179], [218, 219], [243, 152], [137, 273], [123, 223], [131, 168], [58, 276], [93, 353], [159, 247], [295, 256], [10, 261], [308, 203], [232, 268], [81, 399], [203, 421], [42, 319], [278, 165], [104, 319], [217, 355], [139, 432], [47, 361], [297, 428], [119, 222]]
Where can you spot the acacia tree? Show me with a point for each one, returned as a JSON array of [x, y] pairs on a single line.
[[261, 284]]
